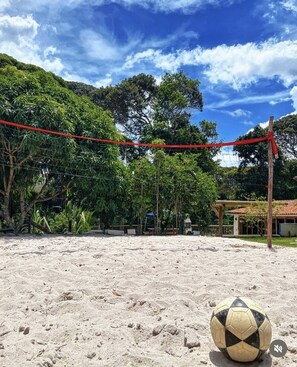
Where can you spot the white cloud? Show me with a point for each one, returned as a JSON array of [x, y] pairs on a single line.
[[290, 5], [248, 123], [293, 94], [242, 65], [147, 56], [4, 4], [104, 82], [280, 15], [227, 157], [185, 6], [180, 34], [164, 6], [17, 36], [17, 29], [238, 65], [277, 97], [242, 116], [41, 5], [75, 78], [169, 62], [263, 124], [97, 46], [55, 65], [239, 113], [17, 39], [50, 51]]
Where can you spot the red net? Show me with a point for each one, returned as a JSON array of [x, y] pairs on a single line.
[[268, 137]]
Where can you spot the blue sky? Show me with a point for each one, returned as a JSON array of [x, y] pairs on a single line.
[[243, 52]]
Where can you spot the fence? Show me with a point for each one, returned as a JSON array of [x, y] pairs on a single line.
[[214, 230]]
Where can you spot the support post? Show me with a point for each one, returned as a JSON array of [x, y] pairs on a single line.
[[270, 186], [221, 211]]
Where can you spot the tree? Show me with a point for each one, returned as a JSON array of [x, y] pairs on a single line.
[[138, 102], [176, 96], [286, 135], [189, 190], [130, 102], [172, 186], [252, 174], [142, 199], [228, 185], [35, 167], [256, 214], [145, 111]]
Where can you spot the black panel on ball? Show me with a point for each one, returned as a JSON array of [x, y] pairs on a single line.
[[259, 317], [222, 316], [231, 339], [254, 339], [239, 303]]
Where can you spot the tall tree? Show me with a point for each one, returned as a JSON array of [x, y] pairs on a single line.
[[145, 111], [172, 186], [252, 174], [176, 96], [130, 102], [141, 193], [286, 135], [37, 167], [228, 185]]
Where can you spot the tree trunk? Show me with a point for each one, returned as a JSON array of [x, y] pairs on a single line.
[[157, 203], [6, 211], [7, 185], [23, 212], [141, 211]]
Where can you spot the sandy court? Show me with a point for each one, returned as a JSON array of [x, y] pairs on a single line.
[[135, 301]]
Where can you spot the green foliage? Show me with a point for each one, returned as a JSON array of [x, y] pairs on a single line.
[[150, 113], [129, 101], [38, 168], [176, 95], [142, 188], [172, 186], [284, 185], [41, 220], [228, 185], [256, 214], [285, 131], [33, 97], [253, 154], [252, 175], [147, 111], [6, 60], [72, 219]]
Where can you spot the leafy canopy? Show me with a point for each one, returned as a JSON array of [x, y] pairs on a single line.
[[34, 97]]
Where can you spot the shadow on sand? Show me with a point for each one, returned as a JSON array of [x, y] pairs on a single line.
[[219, 360]]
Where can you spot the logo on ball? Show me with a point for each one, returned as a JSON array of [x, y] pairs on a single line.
[[240, 329]]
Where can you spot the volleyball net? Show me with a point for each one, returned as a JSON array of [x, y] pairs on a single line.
[[45, 161]]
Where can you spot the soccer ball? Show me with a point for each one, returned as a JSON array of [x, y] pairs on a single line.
[[240, 329]]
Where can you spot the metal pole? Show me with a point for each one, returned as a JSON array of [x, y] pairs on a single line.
[[270, 186]]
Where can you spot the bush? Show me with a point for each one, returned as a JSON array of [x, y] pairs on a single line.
[[72, 219]]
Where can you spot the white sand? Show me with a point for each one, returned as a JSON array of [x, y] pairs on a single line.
[[98, 301]]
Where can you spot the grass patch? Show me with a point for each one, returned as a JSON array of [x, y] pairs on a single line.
[[276, 241]]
